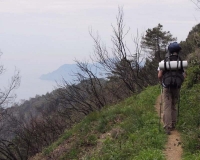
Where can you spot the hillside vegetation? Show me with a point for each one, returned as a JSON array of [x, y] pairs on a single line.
[[189, 119], [189, 122], [112, 117], [128, 130]]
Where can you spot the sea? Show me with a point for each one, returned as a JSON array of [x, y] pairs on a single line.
[[30, 86]]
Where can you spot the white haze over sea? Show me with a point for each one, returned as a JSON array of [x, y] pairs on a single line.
[[39, 36], [31, 85]]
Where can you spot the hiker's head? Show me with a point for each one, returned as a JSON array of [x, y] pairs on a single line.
[[174, 48]]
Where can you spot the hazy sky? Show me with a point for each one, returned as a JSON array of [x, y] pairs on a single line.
[[38, 36]]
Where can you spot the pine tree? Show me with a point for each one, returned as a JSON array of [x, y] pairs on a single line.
[[155, 42]]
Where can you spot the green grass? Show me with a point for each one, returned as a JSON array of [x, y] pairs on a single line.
[[189, 121], [49, 149], [128, 130]]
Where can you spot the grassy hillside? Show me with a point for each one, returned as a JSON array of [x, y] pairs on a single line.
[[128, 130], [189, 121]]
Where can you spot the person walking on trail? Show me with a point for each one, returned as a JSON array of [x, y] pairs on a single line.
[[171, 80]]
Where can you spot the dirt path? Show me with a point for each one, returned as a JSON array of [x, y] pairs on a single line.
[[173, 149]]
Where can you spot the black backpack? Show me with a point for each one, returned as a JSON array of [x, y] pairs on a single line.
[[173, 78]]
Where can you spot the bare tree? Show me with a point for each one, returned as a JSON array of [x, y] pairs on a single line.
[[121, 62], [9, 150], [122, 70], [26, 137], [123, 75], [84, 97], [197, 3], [6, 95]]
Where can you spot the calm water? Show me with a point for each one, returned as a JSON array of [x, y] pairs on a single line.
[[30, 85]]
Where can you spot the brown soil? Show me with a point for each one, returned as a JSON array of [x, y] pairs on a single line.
[[64, 147], [173, 149]]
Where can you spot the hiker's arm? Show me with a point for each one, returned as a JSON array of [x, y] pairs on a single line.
[[160, 74]]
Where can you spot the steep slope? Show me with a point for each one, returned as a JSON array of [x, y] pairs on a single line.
[[128, 130], [189, 121]]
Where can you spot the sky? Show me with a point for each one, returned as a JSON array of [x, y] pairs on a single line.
[[39, 36]]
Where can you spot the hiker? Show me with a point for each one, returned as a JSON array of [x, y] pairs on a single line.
[[171, 81]]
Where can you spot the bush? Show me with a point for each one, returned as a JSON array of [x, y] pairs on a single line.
[[193, 71], [189, 119]]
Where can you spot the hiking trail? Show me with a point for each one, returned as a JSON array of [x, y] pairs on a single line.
[[173, 149]]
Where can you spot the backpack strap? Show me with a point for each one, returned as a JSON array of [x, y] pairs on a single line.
[[167, 60], [165, 67], [179, 66], [170, 69], [180, 60]]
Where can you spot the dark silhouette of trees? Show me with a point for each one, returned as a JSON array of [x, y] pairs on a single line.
[[192, 42], [6, 96], [193, 38], [87, 95], [156, 41], [26, 134], [124, 72], [120, 62]]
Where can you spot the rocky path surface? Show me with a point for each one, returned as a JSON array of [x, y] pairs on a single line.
[[173, 149]]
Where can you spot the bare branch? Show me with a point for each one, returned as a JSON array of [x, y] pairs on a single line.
[[6, 95], [197, 3]]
